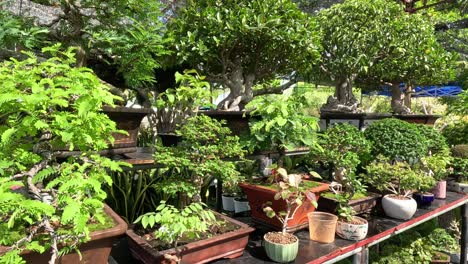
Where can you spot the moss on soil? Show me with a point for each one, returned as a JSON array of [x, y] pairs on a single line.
[[356, 196]]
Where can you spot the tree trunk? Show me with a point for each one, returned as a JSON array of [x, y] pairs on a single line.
[[344, 91], [407, 96], [397, 104]]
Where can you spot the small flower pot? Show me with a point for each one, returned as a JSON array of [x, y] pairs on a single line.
[[440, 258], [440, 190], [228, 203], [280, 252], [423, 199], [322, 227], [399, 207], [356, 230], [241, 205]]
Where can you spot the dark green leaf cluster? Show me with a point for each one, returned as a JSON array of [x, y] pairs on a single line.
[[16, 31], [397, 140], [456, 133], [436, 142]]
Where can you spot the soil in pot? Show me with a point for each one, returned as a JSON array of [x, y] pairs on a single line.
[[281, 247]]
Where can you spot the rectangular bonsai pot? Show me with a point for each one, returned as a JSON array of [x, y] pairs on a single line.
[[360, 206], [95, 251], [258, 197], [227, 245]]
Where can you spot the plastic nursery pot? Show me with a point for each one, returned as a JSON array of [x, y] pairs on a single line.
[[278, 252], [399, 207], [228, 203], [356, 230], [241, 205], [322, 227], [423, 199], [440, 190]]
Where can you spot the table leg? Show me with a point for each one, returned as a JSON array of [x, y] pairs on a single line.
[[219, 192], [464, 230], [361, 257]]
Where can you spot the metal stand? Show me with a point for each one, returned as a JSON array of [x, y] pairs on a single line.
[[361, 257], [464, 230]]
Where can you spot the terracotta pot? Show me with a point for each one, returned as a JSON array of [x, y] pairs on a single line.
[[351, 231], [258, 197], [440, 190], [281, 253], [399, 208], [228, 245], [322, 227], [423, 199], [95, 251], [360, 206]]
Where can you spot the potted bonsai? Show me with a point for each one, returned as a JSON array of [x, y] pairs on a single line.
[[343, 147], [205, 152], [459, 168], [436, 166], [400, 180], [349, 226], [51, 207], [281, 246]]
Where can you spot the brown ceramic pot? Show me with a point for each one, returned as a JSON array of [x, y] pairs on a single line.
[[237, 121], [360, 206], [227, 245], [258, 197], [95, 251]]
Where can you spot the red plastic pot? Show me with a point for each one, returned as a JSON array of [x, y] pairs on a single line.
[[95, 251], [228, 245], [258, 197]]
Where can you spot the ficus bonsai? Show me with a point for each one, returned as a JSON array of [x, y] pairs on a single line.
[[46, 203]]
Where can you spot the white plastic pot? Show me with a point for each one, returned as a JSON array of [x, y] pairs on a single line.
[[228, 203], [351, 231], [241, 205], [399, 208]]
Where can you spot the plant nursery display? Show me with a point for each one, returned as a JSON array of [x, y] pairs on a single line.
[[281, 246], [51, 206], [187, 232]]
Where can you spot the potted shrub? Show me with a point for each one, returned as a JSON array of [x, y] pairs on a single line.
[[49, 206], [459, 168], [343, 147], [400, 180], [349, 226], [281, 246], [203, 154], [436, 166]]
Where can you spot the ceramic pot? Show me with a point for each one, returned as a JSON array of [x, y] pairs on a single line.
[[399, 208], [440, 190], [423, 199], [228, 203], [279, 252], [322, 227], [241, 205], [440, 258], [352, 231]]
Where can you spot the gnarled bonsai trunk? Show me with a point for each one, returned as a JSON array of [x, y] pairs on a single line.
[[344, 90], [398, 98]]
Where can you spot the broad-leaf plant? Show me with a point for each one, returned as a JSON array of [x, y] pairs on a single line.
[[46, 106]]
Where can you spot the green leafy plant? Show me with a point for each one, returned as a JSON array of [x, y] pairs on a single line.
[[398, 178], [44, 107], [344, 146], [436, 166], [174, 224], [289, 190], [281, 125], [397, 140], [177, 104], [436, 142], [239, 44], [200, 157], [456, 132]]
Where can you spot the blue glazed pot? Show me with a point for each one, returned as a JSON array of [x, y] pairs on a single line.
[[423, 199]]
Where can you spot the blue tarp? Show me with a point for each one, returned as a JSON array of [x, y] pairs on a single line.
[[423, 91]]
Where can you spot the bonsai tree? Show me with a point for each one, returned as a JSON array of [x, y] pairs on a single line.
[[397, 140], [281, 125], [177, 104], [46, 204], [190, 223], [344, 146], [199, 158], [377, 42], [239, 44]]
